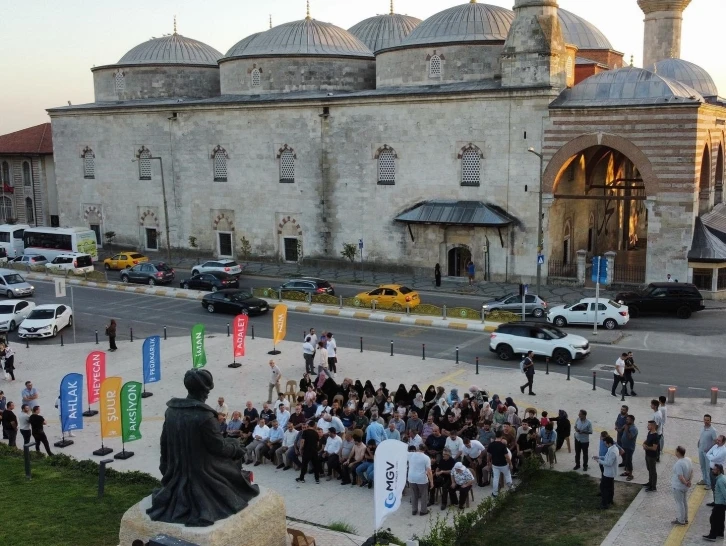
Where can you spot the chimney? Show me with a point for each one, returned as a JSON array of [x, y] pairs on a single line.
[[663, 20]]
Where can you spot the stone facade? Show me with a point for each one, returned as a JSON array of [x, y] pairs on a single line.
[[28, 190], [117, 83]]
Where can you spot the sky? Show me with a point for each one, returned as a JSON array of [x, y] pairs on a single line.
[[48, 47]]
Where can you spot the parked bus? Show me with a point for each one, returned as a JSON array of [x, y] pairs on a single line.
[[11, 238], [51, 241]]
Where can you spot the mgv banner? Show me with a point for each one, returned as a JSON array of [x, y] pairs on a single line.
[[199, 356]]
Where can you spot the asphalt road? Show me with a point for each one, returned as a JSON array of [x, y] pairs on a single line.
[[147, 315]]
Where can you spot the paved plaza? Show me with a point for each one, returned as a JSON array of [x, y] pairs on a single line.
[[647, 520]]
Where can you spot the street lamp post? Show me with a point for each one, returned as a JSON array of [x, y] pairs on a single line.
[[166, 207], [540, 243]]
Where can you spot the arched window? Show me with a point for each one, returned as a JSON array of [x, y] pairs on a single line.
[[29, 210], [718, 196], [567, 235], [144, 163], [219, 161], [26, 174], [287, 157], [435, 66], [704, 186], [89, 163], [6, 209], [386, 165], [470, 157], [591, 233], [119, 81], [5, 173], [255, 77]]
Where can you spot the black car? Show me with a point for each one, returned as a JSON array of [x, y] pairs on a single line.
[[681, 299], [150, 273], [308, 285], [235, 302], [214, 280]]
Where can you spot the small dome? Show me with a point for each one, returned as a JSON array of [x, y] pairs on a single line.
[[307, 37], [583, 34], [172, 49], [690, 74], [627, 86], [470, 22], [384, 31], [240, 46]]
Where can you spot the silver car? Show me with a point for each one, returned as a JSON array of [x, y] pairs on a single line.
[[224, 266], [533, 305], [31, 259]]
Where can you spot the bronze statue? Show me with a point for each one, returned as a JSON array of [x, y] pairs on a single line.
[[203, 481]]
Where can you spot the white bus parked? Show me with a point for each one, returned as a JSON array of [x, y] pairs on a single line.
[[11, 238], [52, 241]]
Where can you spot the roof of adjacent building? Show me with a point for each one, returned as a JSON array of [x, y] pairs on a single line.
[[307, 37], [582, 33], [708, 244], [456, 213], [384, 31], [33, 140], [628, 86], [172, 49], [691, 74]]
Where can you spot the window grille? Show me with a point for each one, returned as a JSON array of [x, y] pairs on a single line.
[[435, 66], [255, 78], [6, 209], [5, 173], [220, 165], [29, 210], [144, 164], [287, 166], [387, 167], [89, 164], [470, 167], [119, 82]]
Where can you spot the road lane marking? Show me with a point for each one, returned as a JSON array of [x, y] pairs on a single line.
[[697, 389]]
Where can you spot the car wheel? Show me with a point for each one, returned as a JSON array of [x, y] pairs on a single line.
[[70, 320], [610, 324], [55, 331], [561, 357], [684, 312], [106, 267], [210, 308], [9, 294], [124, 278], [505, 352], [560, 321], [152, 282], [633, 311], [214, 289], [195, 272], [12, 325], [185, 286], [538, 313]]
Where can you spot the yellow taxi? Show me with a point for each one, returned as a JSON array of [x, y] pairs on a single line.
[[388, 294], [124, 260]]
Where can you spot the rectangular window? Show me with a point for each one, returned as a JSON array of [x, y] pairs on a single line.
[[224, 240], [145, 165], [291, 249], [89, 166], [152, 242], [287, 167], [703, 278], [220, 166]]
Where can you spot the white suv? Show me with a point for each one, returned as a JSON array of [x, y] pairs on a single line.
[[77, 262], [225, 266], [516, 338]]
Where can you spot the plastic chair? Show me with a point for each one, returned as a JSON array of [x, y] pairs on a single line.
[[299, 538], [339, 399], [291, 391]]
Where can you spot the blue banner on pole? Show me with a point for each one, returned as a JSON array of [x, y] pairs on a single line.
[[599, 269], [151, 350], [71, 402]]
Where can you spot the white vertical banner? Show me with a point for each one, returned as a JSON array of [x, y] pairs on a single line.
[[389, 478]]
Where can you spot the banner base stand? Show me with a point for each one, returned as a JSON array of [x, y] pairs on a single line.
[[124, 455], [234, 365], [146, 394], [90, 413], [63, 443], [274, 352], [103, 451]]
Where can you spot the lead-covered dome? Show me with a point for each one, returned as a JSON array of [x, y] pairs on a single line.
[[583, 34], [240, 46], [384, 31], [174, 49], [691, 74], [307, 37]]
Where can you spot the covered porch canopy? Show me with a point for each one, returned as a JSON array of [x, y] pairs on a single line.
[[457, 213]]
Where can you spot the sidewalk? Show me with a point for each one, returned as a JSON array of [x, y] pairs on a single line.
[[328, 502]]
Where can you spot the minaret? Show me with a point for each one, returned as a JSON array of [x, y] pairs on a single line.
[[663, 20], [534, 53]]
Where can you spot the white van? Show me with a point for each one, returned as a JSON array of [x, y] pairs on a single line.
[[76, 262], [11, 239], [14, 285]]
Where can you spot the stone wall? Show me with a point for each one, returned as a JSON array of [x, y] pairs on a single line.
[[285, 74], [163, 81]]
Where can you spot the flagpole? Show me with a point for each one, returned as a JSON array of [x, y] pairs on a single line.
[[146, 394], [63, 442]]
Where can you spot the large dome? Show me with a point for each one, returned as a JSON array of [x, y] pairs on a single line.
[[583, 34], [307, 37], [470, 22], [384, 31], [172, 49], [690, 74]]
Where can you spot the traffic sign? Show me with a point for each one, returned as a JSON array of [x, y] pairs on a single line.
[[360, 244], [540, 259], [60, 288], [599, 269]]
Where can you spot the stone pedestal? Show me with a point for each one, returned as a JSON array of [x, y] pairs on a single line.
[[262, 523]]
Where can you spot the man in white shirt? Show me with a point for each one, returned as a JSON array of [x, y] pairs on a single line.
[[323, 408], [309, 355], [221, 406], [335, 422], [619, 373], [658, 418], [260, 436], [455, 444], [283, 416], [332, 348], [313, 338], [331, 451], [420, 478], [273, 383], [414, 439], [281, 401], [288, 441], [716, 455]]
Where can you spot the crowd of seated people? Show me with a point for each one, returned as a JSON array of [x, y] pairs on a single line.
[[333, 430]]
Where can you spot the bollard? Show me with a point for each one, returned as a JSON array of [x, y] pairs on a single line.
[[164, 333], [671, 395], [102, 476], [568, 371], [253, 331], [714, 395], [279, 295], [361, 344], [340, 302], [27, 343], [61, 340], [26, 455], [483, 314], [457, 355], [443, 312], [623, 391], [547, 366], [423, 351], [594, 379], [391, 347], [477, 365], [96, 337], [131, 334], [228, 330]]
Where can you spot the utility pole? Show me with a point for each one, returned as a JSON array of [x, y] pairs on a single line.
[[540, 242]]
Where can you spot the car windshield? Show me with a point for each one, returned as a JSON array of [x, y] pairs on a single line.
[[229, 264], [614, 304], [135, 256], [647, 291], [14, 279], [41, 314], [239, 296], [404, 290], [504, 297], [554, 333], [6, 309]]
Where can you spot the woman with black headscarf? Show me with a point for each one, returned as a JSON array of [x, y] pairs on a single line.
[[509, 402], [563, 430], [369, 386], [413, 391], [430, 396], [401, 395], [359, 388]]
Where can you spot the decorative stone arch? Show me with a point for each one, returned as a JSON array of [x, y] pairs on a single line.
[[290, 237], [385, 148], [561, 159], [286, 148], [222, 222], [148, 219], [470, 147], [93, 214], [290, 227]]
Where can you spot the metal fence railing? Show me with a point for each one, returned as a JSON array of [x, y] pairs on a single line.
[[628, 273], [559, 268]]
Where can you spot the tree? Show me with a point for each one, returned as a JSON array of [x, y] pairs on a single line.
[[192, 241], [245, 248], [350, 251], [110, 236]]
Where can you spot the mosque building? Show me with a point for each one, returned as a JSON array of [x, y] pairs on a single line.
[[435, 141]]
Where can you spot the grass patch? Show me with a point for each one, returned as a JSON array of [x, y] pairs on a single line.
[[342, 527], [61, 505], [557, 508]]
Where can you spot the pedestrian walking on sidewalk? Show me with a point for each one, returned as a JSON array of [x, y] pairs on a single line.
[[630, 369], [681, 482], [9, 356], [309, 355], [719, 505], [583, 430], [37, 422], [527, 367], [470, 271], [274, 382], [437, 275], [619, 374], [705, 442], [332, 347], [651, 453], [111, 333]]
